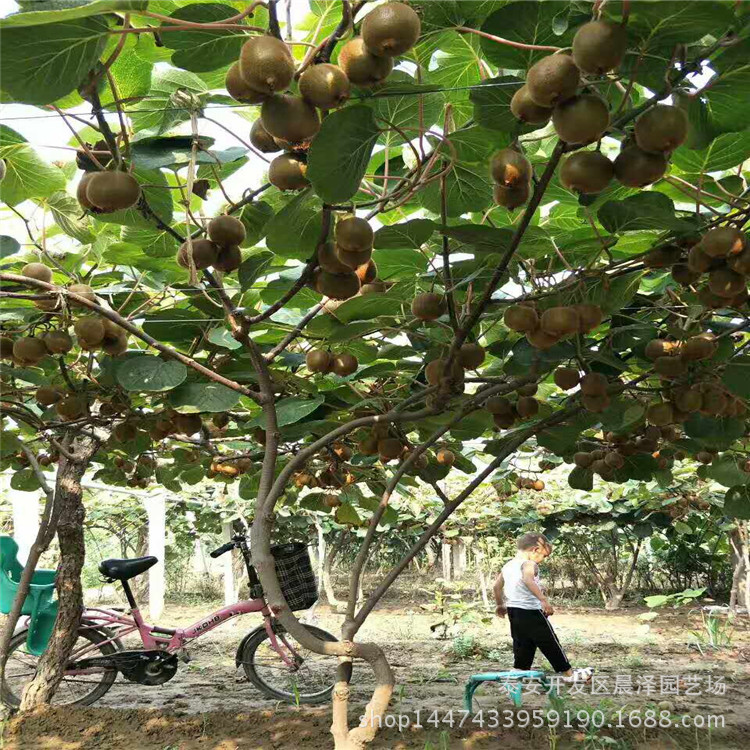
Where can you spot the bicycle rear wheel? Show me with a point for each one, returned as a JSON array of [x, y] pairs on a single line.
[[75, 689], [308, 679]]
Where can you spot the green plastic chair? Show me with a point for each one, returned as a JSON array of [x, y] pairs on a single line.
[[511, 683], [39, 605]]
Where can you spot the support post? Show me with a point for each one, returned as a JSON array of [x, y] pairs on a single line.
[[226, 567], [25, 521], [156, 509], [446, 554]]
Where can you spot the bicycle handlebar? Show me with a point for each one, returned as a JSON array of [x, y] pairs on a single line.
[[221, 550]]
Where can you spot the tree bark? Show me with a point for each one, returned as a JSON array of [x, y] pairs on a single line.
[[328, 568], [741, 575], [69, 494]]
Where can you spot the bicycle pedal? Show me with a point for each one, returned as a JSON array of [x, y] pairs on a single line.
[[184, 656]]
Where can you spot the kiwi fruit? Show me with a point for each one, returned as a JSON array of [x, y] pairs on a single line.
[[368, 273], [511, 197], [698, 261], [360, 66], [499, 405], [353, 260], [710, 300], [661, 129], [714, 401], [375, 287], [124, 432], [47, 395], [83, 185], [726, 283], [660, 414], [390, 448], [510, 168], [29, 349], [229, 259], [261, 139], [445, 457], [526, 406], [328, 259], [521, 318], [525, 109], [682, 274], [504, 421], [552, 80], [670, 367], [637, 168], [287, 172], [71, 407], [704, 457], [266, 64], [354, 234], [187, 424], [720, 242], [583, 459], [428, 306], [593, 384], [599, 46], [339, 286], [471, 356], [540, 339], [581, 119], [113, 191], [238, 88], [290, 118], [204, 254], [324, 86], [82, 290], [6, 347], [595, 404], [615, 460], [90, 331], [699, 347], [368, 446], [689, 400], [660, 348], [344, 364], [590, 316], [662, 257], [391, 29], [587, 172], [318, 360], [434, 371], [37, 271], [559, 321], [115, 346], [226, 230], [566, 378], [740, 262]]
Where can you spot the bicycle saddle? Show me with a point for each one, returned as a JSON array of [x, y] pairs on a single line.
[[122, 570]]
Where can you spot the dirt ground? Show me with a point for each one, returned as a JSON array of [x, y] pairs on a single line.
[[209, 706]]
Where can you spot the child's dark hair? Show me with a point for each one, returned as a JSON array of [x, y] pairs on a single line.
[[531, 540]]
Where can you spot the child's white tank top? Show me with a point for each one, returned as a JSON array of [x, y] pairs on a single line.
[[516, 592]]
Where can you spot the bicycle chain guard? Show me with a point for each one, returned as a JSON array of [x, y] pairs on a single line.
[[151, 667]]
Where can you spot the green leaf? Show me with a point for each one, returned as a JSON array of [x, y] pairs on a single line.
[[645, 210], [253, 268], [528, 23], [728, 100], [55, 12], [368, 307], [24, 480], [190, 398], [255, 217], [491, 103], [143, 372], [724, 152], [8, 246], [290, 410], [294, 231], [726, 470], [67, 214], [346, 514], [406, 234], [399, 264], [643, 529], [199, 50], [714, 433], [675, 22], [223, 337], [174, 325], [581, 479], [340, 152], [403, 111], [737, 502], [175, 152], [26, 174], [467, 188], [736, 376], [41, 64]]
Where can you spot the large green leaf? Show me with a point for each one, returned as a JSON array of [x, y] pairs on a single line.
[[581, 479], [253, 268], [41, 64], [55, 11], [714, 433], [340, 152], [67, 214], [737, 502], [467, 188], [143, 372], [294, 231], [736, 377], [725, 152], [646, 210], [726, 470], [174, 325], [492, 105], [8, 246], [290, 411], [403, 110], [677, 22], [203, 396], [728, 100], [406, 234], [199, 50], [175, 152]]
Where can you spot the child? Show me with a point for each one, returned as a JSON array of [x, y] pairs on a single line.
[[518, 594]]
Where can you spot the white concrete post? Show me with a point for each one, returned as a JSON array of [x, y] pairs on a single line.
[[226, 568], [446, 555], [25, 521], [156, 508]]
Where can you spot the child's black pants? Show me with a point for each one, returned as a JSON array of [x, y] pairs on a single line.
[[531, 629]]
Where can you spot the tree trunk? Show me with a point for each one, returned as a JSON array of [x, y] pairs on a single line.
[[739, 597], [68, 493], [333, 553]]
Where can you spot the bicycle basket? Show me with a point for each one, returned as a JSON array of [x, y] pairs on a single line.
[[295, 573]]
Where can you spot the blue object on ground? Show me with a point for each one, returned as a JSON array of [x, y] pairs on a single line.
[[512, 683]]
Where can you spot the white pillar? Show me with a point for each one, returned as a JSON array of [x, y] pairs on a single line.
[[156, 508], [226, 567], [446, 550], [25, 521]]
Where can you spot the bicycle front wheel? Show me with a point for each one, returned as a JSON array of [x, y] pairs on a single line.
[[290, 672], [80, 689]]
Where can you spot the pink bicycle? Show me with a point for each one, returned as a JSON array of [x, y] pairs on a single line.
[[273, 661]]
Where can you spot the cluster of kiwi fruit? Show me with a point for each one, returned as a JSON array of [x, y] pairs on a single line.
[[505, 412], [139, 472], [323, 361], [220, 250], [469, 357], [527, 483], [170, 422], [554, 323], [345, 266], [722, 256], [594, 387], [387, 445], [105, 191], [511, 172], [288, 122], [229, 468]]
